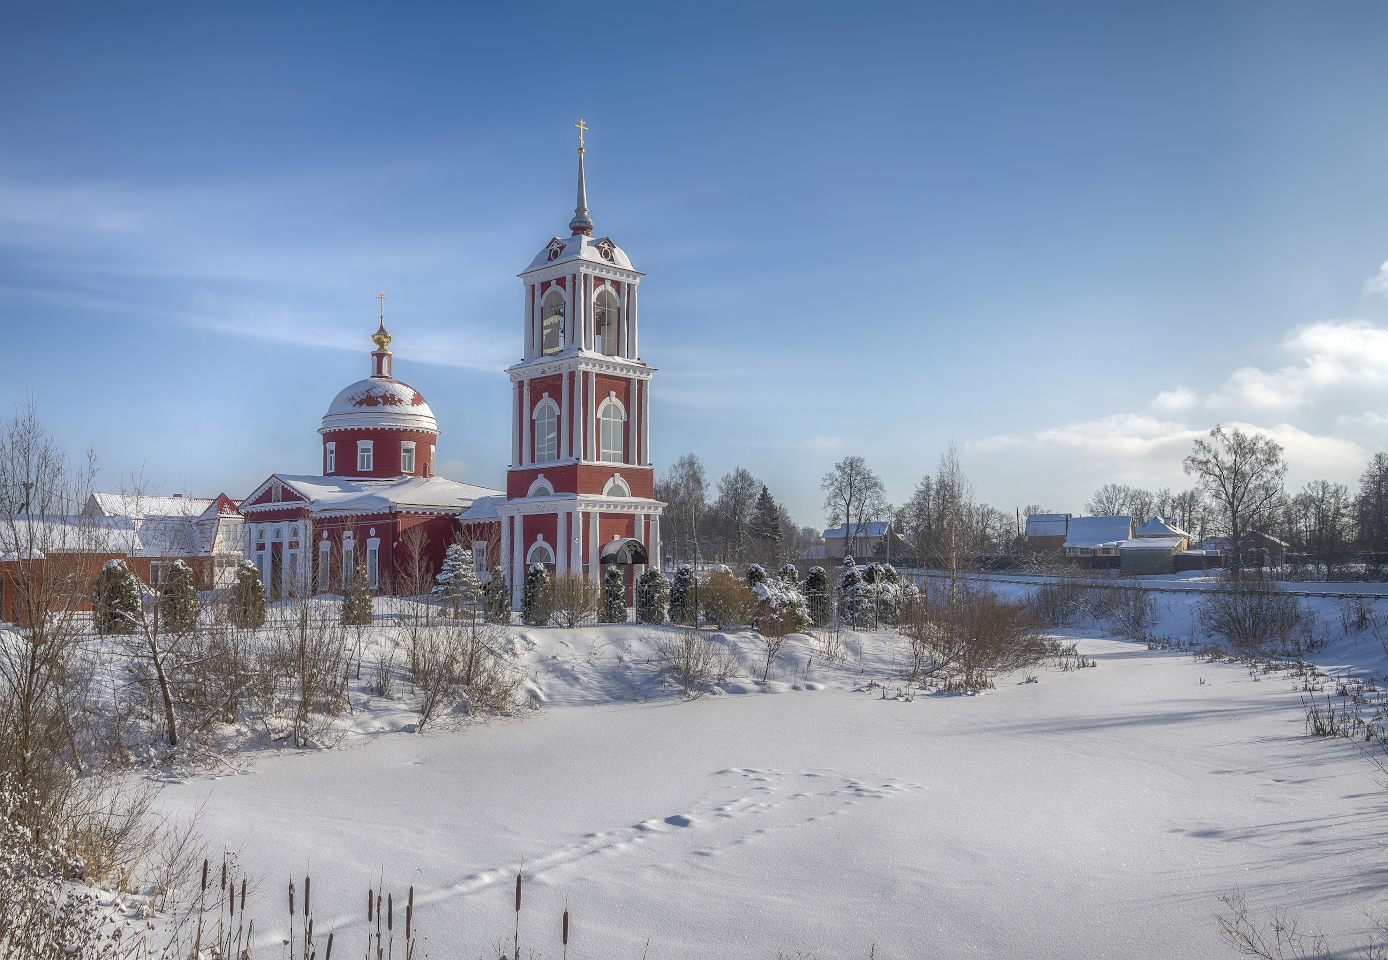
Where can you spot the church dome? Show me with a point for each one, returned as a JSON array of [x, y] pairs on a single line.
[[379, 403]]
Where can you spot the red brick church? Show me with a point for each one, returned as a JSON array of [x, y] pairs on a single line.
[[579, 489]]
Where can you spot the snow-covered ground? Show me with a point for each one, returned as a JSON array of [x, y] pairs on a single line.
[[1093, 813]]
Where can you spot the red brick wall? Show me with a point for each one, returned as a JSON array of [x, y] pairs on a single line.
[[385, 454]]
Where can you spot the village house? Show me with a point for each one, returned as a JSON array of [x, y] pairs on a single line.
[[1094, 541], [153, 532], [1046, 532]]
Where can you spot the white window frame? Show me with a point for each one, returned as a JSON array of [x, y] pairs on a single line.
[[624, 488], [291, 573], [606, 452], [546, 446], [331, 464], [407, 455], [373, 563], [325, 560], [479, 560], [429, 467], [537, 545], [366, 455], [349, 558]]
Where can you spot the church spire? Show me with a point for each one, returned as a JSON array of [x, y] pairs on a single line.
[[581, 223], [380, 357]]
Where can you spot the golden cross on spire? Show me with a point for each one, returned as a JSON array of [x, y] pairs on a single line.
[[582, 127], [382, 297], [380, 337]]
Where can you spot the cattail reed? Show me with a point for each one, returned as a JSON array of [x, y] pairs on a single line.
[[516, 944], [370, 895], [204, 875], [243, 896], [306, 883], [224, 874], [328, 954]]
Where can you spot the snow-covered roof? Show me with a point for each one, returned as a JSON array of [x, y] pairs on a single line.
[[483, 508], [814, 553], [1157, 527], [139, 507], [379, 402], [1048, 524], [341, 495], [62, 534], [1152, 543], [579, 247], [875, 529], [1098, 531]]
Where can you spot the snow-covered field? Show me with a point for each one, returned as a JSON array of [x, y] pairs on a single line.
[[1092, 813]]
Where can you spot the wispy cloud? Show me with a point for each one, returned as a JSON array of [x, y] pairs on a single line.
[[1378, 283]]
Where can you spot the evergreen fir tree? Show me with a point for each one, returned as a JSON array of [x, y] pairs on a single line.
[[855, 596], [537, 598], [755, 575], [497, 597], [789, 575], [890, 573], [357, 605], [765, 526], [116, 601], [178, 600], [457, 582], [614, 595], [817, 596], [652, 593], [247, 607], [682, 595]]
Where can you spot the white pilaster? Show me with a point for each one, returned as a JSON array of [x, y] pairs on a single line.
[[527, 455], [594, 560], [518, 562], [590, 417], [515, 424], [626, 322], [632, 454], [575, 542], [646, 424], [530, 350], [564, 417], [561, 555], [635, 324], [505, 558], [653, 546]]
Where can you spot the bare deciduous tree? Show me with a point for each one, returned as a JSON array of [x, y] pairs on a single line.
[[852, 494], [1242, 473]]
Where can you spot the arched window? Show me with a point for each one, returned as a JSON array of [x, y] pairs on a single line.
[[552, 323], [610, 420], [615, 488], [605, 322], [546, 433], [540, 554]]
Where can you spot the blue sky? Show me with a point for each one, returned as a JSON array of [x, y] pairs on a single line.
[[1068, 238]]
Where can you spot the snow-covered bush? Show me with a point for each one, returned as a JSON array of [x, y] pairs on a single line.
[[652, 592], [755, 575], [537, 597], [577, 600], [246, 608], [357, 603], [116, 602], [964, 636], [1132, 612], [614, 595], [697, 661], [457, 584], [781, 608], [790, 574], [1254, 616], [888, 602], [178, 600], [726, 600], [855, 596], [682, 595], [496, 597], [816, 592]]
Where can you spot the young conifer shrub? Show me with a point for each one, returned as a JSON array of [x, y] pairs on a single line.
[[496, 599], [357, 603], [614, 595], [537, 599], [652, 596], [789, 574], [855, 594], [178, 600], [457, 583], [821, 604], [682, 595], [247, 602], [755, 575], [116, 601]]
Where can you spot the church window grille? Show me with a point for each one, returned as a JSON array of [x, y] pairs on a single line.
[[546, 433], [332, 457], [605, 322], [363, 455], [552, 323], [540, 554], [610, 421], [407, 456]]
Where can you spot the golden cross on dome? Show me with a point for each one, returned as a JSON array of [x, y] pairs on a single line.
[[382, 297], [380, 337], [582, 127]]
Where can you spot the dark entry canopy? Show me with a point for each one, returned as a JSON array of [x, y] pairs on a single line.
[[624, 551]]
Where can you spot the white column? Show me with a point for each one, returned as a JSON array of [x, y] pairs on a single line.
[[589, 418], [575, 527], [632, 454], [646, 424], [518, 562], [515, 424], [577, 426], [635, 322], [505, 557], [653, 547], [529, 321], [594, 561], [626, 322], [564, 416], [561, 555], [526, 455]]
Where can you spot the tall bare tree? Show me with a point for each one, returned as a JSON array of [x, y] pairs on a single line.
[[852, 494], [684, 489], [1371, 505], [733, 510], [1242, 474]]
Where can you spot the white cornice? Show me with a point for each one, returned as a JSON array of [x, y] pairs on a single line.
[[564, 268], [585, 362], [602, 504]]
